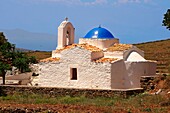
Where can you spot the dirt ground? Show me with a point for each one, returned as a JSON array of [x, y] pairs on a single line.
[[59, 108], [162, 107], [56, 108]]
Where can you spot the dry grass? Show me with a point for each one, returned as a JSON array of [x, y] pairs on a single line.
[[159, 51], [39, 55], [140, 103]]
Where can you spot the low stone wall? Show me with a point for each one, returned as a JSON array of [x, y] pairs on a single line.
[[53, 92], [147, 83]]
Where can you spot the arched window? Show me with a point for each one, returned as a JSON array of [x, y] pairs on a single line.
[[67, 38]]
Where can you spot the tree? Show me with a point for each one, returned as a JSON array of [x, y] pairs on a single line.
[[3, 68], [9, 57], [21, 61], [32, 59], [4, 61], [2, 38], [166, 20], [6, 50]]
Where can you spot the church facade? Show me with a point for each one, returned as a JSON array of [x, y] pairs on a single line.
[[98, 61]]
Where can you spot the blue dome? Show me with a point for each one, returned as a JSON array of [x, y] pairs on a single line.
[[100, 33]]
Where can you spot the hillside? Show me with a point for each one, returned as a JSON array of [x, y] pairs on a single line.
[[159, 51], [39, 54]]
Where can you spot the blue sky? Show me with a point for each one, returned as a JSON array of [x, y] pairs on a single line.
[[131, 21]]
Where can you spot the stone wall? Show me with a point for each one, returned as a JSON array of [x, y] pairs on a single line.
[[54, 92], [147, 83]]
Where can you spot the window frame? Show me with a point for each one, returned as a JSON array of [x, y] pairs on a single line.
[[73, 74]]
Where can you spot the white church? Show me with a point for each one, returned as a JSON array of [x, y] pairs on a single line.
[[98, 61]]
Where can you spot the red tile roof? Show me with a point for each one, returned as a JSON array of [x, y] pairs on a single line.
[[85, 46], [50, 59], [102, 60], [119, 47]]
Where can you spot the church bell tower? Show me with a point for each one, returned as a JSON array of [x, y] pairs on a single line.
[[65, 34]]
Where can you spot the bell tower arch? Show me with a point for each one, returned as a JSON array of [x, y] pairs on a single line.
[[65, 34]]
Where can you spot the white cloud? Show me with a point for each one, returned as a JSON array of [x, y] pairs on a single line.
[[75, 2], [96, 2], [128, 1], [131, 1], [147, 1]]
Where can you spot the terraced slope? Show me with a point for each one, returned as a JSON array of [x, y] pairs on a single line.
[[159, 51]]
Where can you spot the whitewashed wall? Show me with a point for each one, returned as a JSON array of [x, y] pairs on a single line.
[[62, 31], [133, 54], [90, 74], [100, 43], [137, 69], [97, 55], [119, 74], [127, 74], [115, 54], [55, 55]]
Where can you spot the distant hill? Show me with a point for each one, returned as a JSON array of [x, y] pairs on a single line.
[[159, 51], [30, 40], [23, 50]]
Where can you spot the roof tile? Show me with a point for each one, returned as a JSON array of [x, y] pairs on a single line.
[[50, 59], [102, 60], [119, 47], [85, 46]]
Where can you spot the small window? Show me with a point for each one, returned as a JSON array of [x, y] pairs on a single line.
[[73, 73]]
